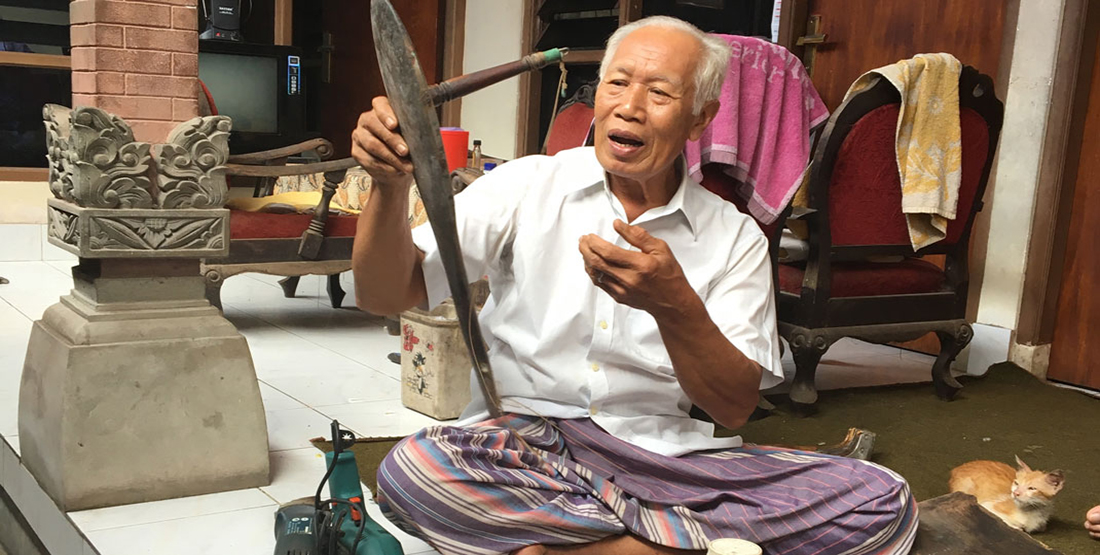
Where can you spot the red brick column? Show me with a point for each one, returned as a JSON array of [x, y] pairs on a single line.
[[137, 59]]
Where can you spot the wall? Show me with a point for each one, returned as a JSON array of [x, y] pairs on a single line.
[[23, 202], [492, 38], [23, 223], [137, 60]]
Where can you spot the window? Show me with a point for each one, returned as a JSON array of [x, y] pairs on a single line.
[[34, 67]]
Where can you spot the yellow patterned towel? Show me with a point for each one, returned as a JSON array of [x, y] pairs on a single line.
[[297, 202], [305, 202], [928, 140]]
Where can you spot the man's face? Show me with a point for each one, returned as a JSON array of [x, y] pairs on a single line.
[[644, 103]]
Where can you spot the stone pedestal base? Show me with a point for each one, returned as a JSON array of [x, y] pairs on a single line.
[[136, 389]]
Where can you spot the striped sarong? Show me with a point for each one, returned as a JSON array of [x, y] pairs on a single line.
[[477, 490]]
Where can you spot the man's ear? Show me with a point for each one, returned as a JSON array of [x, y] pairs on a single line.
[[703, 120]]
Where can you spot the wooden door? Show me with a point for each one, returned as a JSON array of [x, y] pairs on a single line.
[[862, 35], [1075, 351], [350, 77]]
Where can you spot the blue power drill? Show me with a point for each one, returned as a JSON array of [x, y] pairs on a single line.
[[335, 526]]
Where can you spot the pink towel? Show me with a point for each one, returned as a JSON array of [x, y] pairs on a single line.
[[762, 130]]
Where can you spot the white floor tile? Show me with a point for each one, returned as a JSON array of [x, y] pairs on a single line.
[[989, 346], [11, 361], [20, 242], [295, 474], [256, 291], [13, 441], [64, 266], [33, 286], [318, 386], [50, 252], [369, 344], [380, 418], [276, 400], [292, 429], [170, 509], [248, 531]]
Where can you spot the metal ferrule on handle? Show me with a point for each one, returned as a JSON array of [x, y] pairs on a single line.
[[463, 85]]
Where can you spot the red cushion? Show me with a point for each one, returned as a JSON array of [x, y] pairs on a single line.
[[263, 225], [869, 279], [720, 183], [570, 128], [865, 193]]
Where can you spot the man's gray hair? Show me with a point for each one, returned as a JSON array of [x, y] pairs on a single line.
[[710, 70]]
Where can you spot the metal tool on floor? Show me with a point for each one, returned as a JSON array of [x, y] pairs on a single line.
[[338, 525]]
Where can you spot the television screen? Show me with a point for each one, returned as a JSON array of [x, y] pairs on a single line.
[[245, 88], [25, 90]]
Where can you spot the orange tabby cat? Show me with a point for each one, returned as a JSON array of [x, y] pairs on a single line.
[[1024, 498]]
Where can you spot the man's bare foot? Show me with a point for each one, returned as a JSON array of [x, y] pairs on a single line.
[[1092, 522]]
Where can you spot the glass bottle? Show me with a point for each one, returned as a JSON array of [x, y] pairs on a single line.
[[475, 158]]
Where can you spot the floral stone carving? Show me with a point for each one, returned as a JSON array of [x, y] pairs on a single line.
[[113, 199], [192, 164]]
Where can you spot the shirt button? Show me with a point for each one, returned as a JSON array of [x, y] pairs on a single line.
[[595, 367], [603, 324], [592, 411]]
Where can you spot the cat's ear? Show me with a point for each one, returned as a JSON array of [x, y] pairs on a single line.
[[1056, 478], [1022, 465]]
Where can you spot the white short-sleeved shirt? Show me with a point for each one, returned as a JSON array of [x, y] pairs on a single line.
[[559, 346]]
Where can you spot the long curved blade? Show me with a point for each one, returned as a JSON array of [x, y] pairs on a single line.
[[405, 86]]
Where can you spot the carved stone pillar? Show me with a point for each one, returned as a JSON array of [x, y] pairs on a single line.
[[134, 387]]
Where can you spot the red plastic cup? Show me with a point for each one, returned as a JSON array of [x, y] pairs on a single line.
[[456, 144]]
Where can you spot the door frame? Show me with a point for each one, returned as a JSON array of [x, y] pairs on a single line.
[[454, 45], [1058, 176]]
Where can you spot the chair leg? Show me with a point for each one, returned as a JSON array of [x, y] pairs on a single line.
[[214, 280], [807, 350], [290, 286], [393, 325], [950, 346], [335, 291]]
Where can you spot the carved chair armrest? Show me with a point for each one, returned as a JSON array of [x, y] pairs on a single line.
[[323, 148], [293, 169]]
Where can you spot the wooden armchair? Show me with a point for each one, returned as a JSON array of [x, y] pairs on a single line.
[[855, 216], [289, 245]]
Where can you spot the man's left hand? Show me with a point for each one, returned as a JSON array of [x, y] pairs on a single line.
[[651, 280]]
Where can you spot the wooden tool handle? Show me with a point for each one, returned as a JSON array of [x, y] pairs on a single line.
[[465, 84]]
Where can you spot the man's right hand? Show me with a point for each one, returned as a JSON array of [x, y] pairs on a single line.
[[377, 145]]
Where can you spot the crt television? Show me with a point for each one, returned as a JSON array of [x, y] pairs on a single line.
[[260, 87]]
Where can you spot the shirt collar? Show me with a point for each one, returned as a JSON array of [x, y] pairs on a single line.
[[686, 200]]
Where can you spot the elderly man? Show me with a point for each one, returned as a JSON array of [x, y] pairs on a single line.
[[622, 294]]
